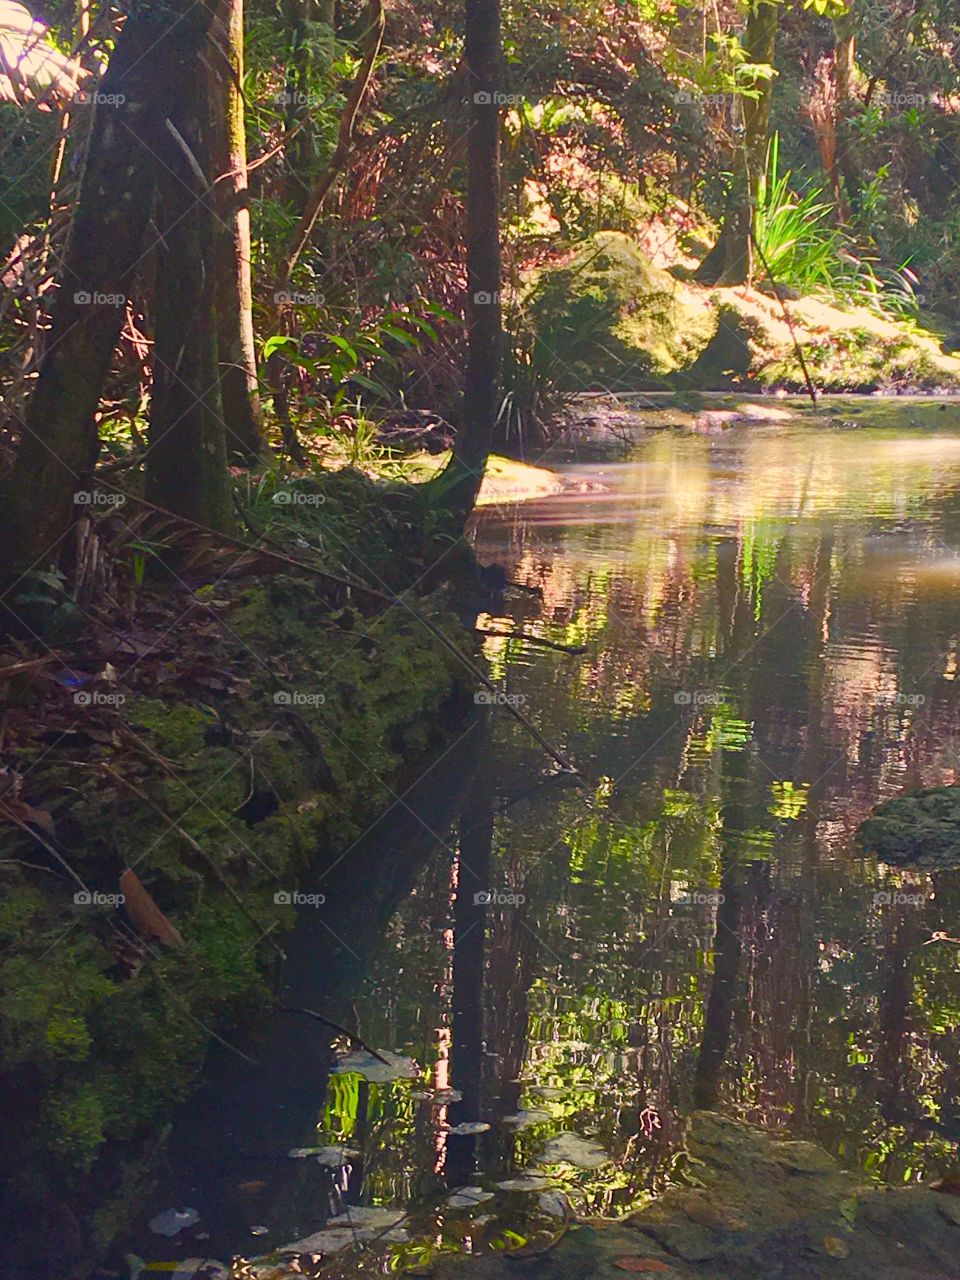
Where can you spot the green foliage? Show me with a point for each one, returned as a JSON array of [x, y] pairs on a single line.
[[804, 249]]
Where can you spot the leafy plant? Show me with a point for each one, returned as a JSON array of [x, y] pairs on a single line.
[[801, 246]]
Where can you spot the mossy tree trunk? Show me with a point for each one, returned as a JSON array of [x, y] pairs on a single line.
[[239, 393], [59, 444], [845, 63], [460, 481], [730, 261], [186, 461]]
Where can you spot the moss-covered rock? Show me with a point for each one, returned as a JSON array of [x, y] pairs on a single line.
[[921, 829], [606, 316]]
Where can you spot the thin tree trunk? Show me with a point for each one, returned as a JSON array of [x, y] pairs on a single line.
[[59, 446], [186, 461], [301, 19], [242, 412], [460, 481], [276, 374], [371, 42], [845, 62], [730, 261]]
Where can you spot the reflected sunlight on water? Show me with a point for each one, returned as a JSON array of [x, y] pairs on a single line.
[[771, 620]]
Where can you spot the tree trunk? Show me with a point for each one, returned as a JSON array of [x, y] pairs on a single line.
[[460, 481], [186, 462], [301, 19], [845, 62], [730, 261], [60, 445], [371, 41], [239, 393]]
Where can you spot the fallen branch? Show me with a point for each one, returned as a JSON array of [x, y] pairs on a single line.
[[811, 389], [525, 635], [351, 1036]]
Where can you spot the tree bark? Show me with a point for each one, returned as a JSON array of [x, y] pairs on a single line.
[[186, 461], [301, 18], [239, 393], [59, 446], [845, 62], [460, 481], [730, 261], [370, 42]]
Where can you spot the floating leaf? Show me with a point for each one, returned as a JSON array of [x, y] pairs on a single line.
[[835, 1247], [172, 1221], [465, 1196], [523, 1119], [468, 1128], [570, 1148], [379, 1068], [331, 1157]]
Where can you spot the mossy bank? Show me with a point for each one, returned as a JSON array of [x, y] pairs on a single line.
[[606, 314], [258, 738]]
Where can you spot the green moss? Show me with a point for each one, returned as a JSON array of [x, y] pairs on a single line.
[[75, 1119], [608, 315], [252, 791]]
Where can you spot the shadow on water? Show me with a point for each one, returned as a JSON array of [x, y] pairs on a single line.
[[228, 1151], [772, 629]]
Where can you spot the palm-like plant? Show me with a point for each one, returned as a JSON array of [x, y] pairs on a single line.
[[802, 248], [32, 69]]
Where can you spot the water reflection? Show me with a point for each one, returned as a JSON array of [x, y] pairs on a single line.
[[771, 619]]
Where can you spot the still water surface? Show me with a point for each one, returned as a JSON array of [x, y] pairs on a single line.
[[771, 618]]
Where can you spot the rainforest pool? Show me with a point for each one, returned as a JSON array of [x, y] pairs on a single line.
[[555, 972]]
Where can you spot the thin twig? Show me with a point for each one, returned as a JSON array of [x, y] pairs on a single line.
[[811, 389], [351, 1035], [525, 635]]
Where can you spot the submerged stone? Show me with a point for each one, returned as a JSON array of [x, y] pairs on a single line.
[[920, 829]]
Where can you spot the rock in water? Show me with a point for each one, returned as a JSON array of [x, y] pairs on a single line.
[[920, 829]]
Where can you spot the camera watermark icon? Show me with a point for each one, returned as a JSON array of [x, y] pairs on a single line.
[[98, 698], [93, 898], [686, 97], [485, 98], [896, 898], [294, 498], [84, 97], [294, 898], [84, 298], [296, 98], [295, 298], [897, 98], [94, 498], [484, 299], [697, 698], [681, 896], [499, 698], [297, 698], [498, 898]]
